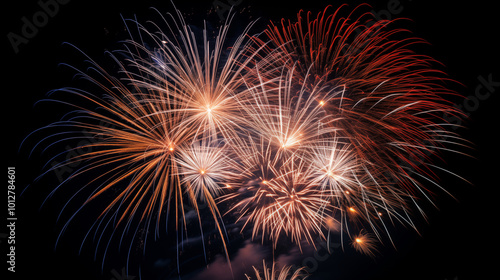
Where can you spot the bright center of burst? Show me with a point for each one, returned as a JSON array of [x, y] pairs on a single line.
[[170, 146], [358, 240], [287, 144], [332, 175], [202, 172]]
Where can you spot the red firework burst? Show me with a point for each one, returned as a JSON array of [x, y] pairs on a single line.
[[390, 110]]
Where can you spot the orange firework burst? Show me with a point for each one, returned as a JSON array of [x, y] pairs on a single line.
[[364, 243], [158, 133]]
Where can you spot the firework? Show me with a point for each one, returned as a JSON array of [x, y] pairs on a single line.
[[393, 97], [284, 274], [388, 115], [158, 130], [287, 203], [310, 128], [205, 82], [205, 168], [287, 114], [281, 196], [364, 243]]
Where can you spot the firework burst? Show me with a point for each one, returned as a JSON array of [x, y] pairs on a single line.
[[286, 203], [393, 97], [364, 243], [158, 131], [204, 81], [388, 114], [205, 168], [285, 113], [285, 273]]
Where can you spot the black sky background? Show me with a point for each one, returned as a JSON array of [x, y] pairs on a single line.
[[458, 242]]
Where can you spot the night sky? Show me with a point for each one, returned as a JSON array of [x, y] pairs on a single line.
[[458, 241]]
